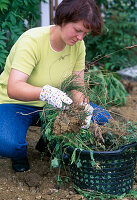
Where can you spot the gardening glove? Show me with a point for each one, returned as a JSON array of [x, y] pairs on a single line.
[[54, 96], [89, 109]]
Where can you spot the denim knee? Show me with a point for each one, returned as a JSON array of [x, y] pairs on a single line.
[[13, 150], [13, 128]]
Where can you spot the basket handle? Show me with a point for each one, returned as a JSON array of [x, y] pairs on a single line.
[[128, 146], [86, 152], [117, 151]]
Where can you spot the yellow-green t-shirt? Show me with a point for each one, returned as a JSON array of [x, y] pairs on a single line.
[[33, 55]]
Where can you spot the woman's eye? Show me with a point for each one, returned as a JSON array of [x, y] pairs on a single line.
[[78, 31]]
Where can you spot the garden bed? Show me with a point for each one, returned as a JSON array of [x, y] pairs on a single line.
[[39, 182]]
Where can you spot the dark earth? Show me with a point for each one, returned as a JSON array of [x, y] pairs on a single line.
[[40, 182]]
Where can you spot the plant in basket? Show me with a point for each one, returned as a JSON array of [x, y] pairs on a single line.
[[102, 158]]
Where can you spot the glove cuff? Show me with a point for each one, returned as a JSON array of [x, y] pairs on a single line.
[[88, 108], [42, 96]]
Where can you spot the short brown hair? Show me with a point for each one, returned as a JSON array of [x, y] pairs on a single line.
[[76, 10]]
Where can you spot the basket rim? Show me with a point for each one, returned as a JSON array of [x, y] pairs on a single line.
[[119, 151]]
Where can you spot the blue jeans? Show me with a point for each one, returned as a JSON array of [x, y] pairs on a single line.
[[15, 120], [13, 128]]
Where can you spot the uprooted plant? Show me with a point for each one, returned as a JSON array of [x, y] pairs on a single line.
[[64, 126]]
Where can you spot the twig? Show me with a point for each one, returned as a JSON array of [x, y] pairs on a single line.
[[107, 56], [29, 113]]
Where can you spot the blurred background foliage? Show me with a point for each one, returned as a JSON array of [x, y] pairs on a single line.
[[104, 88], [15, 18], [120, 31]]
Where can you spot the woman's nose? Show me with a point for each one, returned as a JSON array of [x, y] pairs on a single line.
[[80, 36]]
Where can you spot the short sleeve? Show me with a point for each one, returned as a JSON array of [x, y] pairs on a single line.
[[80, 61], [26, 55]]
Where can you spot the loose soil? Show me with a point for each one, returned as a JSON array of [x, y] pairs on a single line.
[[40, 182], [70, 120]]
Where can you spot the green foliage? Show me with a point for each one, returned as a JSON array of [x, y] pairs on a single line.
[[4, 5], [3, 51], [70, 84], [104, 88], [15, 18], [110, 137], [86, 139], [120, 28]]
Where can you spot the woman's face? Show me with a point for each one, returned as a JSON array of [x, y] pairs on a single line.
[[73, 32]]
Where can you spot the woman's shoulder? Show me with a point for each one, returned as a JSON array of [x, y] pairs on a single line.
[[33, 37], [37, 31]]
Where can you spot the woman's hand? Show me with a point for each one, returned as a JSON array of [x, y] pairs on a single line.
[[89, 109], [54, 96], [78, 97]]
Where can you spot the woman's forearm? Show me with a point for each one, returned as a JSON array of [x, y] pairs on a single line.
[[23, 91], [19, 89]]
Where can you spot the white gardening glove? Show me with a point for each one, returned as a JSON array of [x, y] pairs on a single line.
[[54, 96], [89, 109]]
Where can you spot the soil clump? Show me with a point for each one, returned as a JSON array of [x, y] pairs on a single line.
[[70, 120]]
